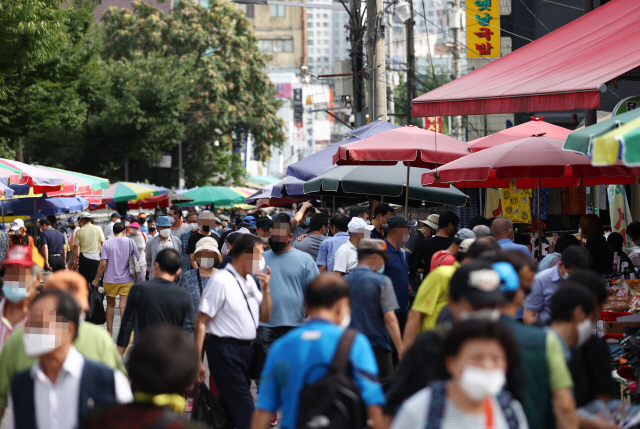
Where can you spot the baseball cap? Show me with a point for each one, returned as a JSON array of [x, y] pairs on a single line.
[[24, 256], [224, 217], [264, 223], [357, 224], [84, 215], [142, 215], [163, 221], [463, 234], [483, 283], [116, 214], [431, 221], [249, 219], [73, 219], [466, 243], [17, 224], [371, 246], [397, 221]]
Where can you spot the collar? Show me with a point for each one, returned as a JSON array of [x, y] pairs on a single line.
[[73, 365], [390, 247], [505, 240], [176, 226], [320, 321], [233, 272], [555, 275], [341, 234], [362, 267]]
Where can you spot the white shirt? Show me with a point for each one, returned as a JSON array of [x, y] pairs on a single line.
[[346, 259], [108, 230], [56, 404], [222, 300]]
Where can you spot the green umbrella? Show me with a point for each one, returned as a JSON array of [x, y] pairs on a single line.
[[581, 141], [374, 181], [219, 195], [621, 142]]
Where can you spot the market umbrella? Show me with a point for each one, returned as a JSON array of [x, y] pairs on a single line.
[[534, 162], [127, 191], [39, 179], [322, 161], [620, 143], [262, 180], [221, 196], [581, 140], [414, 146], [84, 184], [534, 127], [45, 206], [370, 182]]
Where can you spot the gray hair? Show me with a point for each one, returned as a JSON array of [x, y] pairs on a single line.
[[481, 231]]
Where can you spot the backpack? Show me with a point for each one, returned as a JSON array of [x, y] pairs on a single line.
[[334, 400]]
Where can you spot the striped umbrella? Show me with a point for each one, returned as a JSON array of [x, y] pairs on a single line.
[[85, 184], [127, 191], [39, 179]]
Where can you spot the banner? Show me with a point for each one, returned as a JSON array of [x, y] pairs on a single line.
[[619, 210], [483, 28], [512, 203]]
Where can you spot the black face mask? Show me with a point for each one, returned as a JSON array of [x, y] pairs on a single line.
[[152, 229], [277, 246], [206, 228]]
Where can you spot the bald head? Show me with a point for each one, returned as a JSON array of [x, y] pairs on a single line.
[[72, 283], [502, 228]]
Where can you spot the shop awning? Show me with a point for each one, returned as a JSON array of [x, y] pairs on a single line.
[[560, 71]]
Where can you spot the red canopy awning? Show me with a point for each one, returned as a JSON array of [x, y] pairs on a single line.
[[560, 71]]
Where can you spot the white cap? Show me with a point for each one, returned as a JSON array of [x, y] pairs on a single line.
[[84, 215], [357, 224], [432, 221], [17, 224]]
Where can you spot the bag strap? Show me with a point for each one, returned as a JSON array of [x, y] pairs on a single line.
[[245, 297], [200, 283], [341, 356], [436, 405]]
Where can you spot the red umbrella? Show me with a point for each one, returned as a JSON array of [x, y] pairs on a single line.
[[412, 145], [535, 127], [534, 162]]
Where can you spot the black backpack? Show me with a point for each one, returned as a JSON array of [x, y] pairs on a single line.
[[334, 400]]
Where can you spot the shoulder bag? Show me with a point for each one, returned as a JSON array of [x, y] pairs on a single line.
[[134, 264]]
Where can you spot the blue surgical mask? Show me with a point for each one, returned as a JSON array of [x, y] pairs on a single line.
[[381, 270], [566, 276], [14, 291], [307, 221]]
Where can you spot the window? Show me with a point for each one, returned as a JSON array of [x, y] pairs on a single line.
[[310, 33], [326, 33], [325, 24], [311, 50], [325, 15], [265, 45], [310, 15], [277, 11], [326, 51], [310, 24], [284, 45], [326, 42], [309, 42], [247, 8]]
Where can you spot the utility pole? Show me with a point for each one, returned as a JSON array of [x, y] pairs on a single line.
[[411, 65], [591, 118], [457, 66], [376, 61], [357, 62]]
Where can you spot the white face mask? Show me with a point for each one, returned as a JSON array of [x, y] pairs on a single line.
[[39, 344], [207, 262], [585, 329], [262, 264], [636, 242], [346, 321], [171, 220], [264, 239], [165, 232], [193, 226], [478, 383]]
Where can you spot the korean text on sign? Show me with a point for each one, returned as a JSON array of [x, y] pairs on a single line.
[[483, 28]]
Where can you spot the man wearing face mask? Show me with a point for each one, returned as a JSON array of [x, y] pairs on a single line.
[[178, 227], [93, 341], [381, 213], [447, 227], [571, 314], [346, 258], [263, 229], [22, 275], [192, 224], [87, 246], [61, 387], [300, 222], [339, 225], [229, 312], [291, 270], [158, 301], [312, 346], [108, 228], [547, 282], [164, 240], [373, 303], [318, 228]]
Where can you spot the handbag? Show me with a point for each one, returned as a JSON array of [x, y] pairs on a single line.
[[208, 410], [134, 265], [96, 314]]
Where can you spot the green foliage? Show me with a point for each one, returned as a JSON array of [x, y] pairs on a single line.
[[424, 83]]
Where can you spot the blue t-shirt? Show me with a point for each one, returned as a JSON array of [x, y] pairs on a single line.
[[54, 241], [303, 356], [544, 285], [397, 269], [507, 244], [291, 272], [328, 249]]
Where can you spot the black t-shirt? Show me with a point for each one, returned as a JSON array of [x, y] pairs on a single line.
[[54, 241], [590, 368], [415, 239], [375, 234], [193, 239], [427, 248]]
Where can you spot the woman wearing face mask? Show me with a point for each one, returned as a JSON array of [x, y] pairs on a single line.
[[476, 353], [207, 256], [162, 240], [18, 234], [141, 243], [592, 238]]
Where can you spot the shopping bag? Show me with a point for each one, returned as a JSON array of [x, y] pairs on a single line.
[[208, 410], [96, 315]]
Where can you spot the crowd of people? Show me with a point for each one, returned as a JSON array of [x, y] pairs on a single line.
[[433, 325]]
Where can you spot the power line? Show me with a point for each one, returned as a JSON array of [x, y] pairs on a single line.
[[534, 15], [565, 5]]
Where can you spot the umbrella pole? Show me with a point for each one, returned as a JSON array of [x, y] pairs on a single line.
[[35, 214], [333, 208], [539, 226], [3, 214], [406, 197]]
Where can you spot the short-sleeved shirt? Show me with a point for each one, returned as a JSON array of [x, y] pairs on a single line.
[[193, 240], [224, 301], [189, 281], [376, 235], [304, 355], [88, 238], [299, 230], [346, 259], [54, 240], [397, 269], [291, 272], [328, 249], [180, 230], [544, 285], [547, 260], [433, 295], [590, 368], [310, 244], [427, 248], [507, 244], [415, 239], [116, 251]]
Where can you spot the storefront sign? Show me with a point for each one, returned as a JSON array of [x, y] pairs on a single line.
[[433, 123], [626, 105], [483, 28]]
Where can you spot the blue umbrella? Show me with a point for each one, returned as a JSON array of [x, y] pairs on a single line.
[[322, 161], [44, 206]]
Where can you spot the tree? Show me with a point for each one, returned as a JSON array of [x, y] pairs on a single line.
[[424, 83], [232, 93]]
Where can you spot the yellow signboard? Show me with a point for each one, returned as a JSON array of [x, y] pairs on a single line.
[[483, 28]]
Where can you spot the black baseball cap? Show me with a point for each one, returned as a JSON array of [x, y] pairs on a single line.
[[264, 223], [484, 283], [397, 221]]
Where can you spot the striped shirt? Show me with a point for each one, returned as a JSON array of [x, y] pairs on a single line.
[[5, 326]]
